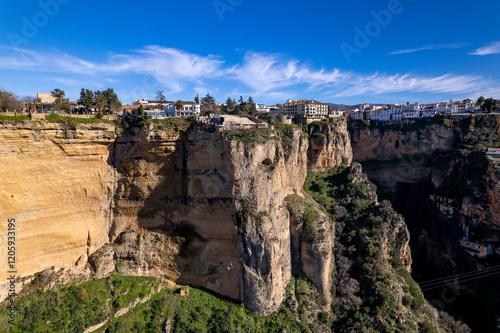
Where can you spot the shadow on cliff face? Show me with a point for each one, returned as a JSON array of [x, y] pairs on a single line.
[[451, 278], [169, 185], [451, 195]]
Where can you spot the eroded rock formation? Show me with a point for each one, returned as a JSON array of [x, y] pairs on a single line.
[[57, 182], [213, 210], [387, 141]]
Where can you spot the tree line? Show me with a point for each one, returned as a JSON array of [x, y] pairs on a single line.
[[488, 105], [100, 101], [210, 106]]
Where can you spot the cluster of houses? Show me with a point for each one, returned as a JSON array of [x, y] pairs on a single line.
[[304, 111], [298, 110], [409, 111]]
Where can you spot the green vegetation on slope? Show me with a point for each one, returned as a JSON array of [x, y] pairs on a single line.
[[15, 118], [251, 136], [370, 277], [74, 308], [59, 119]]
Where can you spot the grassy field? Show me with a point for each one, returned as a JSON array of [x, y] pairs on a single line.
[[15, 118], [73, 308], [58, 118]]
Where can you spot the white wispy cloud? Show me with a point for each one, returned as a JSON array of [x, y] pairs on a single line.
[[492, 48], [266, 72], [259, 74], [170, 67], [431, 47], [382, 84]]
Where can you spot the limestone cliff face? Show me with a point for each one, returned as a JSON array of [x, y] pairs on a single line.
[[455, 193], [57, 183], [390, 141], [328, 145], [204, 210], [224, 199]]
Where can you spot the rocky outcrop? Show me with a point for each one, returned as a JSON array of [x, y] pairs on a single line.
[[387, 141], [57, 183], [455, 193], [312, 233], [329, 145], [196, 208]]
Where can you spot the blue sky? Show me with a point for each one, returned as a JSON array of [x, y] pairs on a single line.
[[333, 51]]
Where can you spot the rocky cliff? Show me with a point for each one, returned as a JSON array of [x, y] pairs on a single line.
[[454, 188], [214, 205], [390, 140], [235, 212], [328, 145], [57, 182]]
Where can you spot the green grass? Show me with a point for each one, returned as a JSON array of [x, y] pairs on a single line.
[[171, 126], [15, 118], [250, 137], [285, 127], [309, 218], [318, 135], [74, 308], [58, 119]]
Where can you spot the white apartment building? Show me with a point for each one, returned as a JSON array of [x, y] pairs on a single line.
[[188, 109], [263, 108], [356, 114], [382, 115], [305, 109], [146, 103], [465, 106], [446, 107], [396, 108]]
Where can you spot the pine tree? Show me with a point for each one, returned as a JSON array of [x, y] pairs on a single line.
[[251, 106], [86, 99]]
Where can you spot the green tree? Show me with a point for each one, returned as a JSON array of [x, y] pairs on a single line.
[[100, 101], [112, 101], [242, 105], [86, 99], [480, 101], [179, 105], [141, 110], [230, 106], [197, 99], [208, 103], [160, 97], [251, 107], [61, 102], [489, 105]]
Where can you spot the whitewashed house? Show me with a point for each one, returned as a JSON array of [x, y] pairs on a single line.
[[465, 106], [188, 109]]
